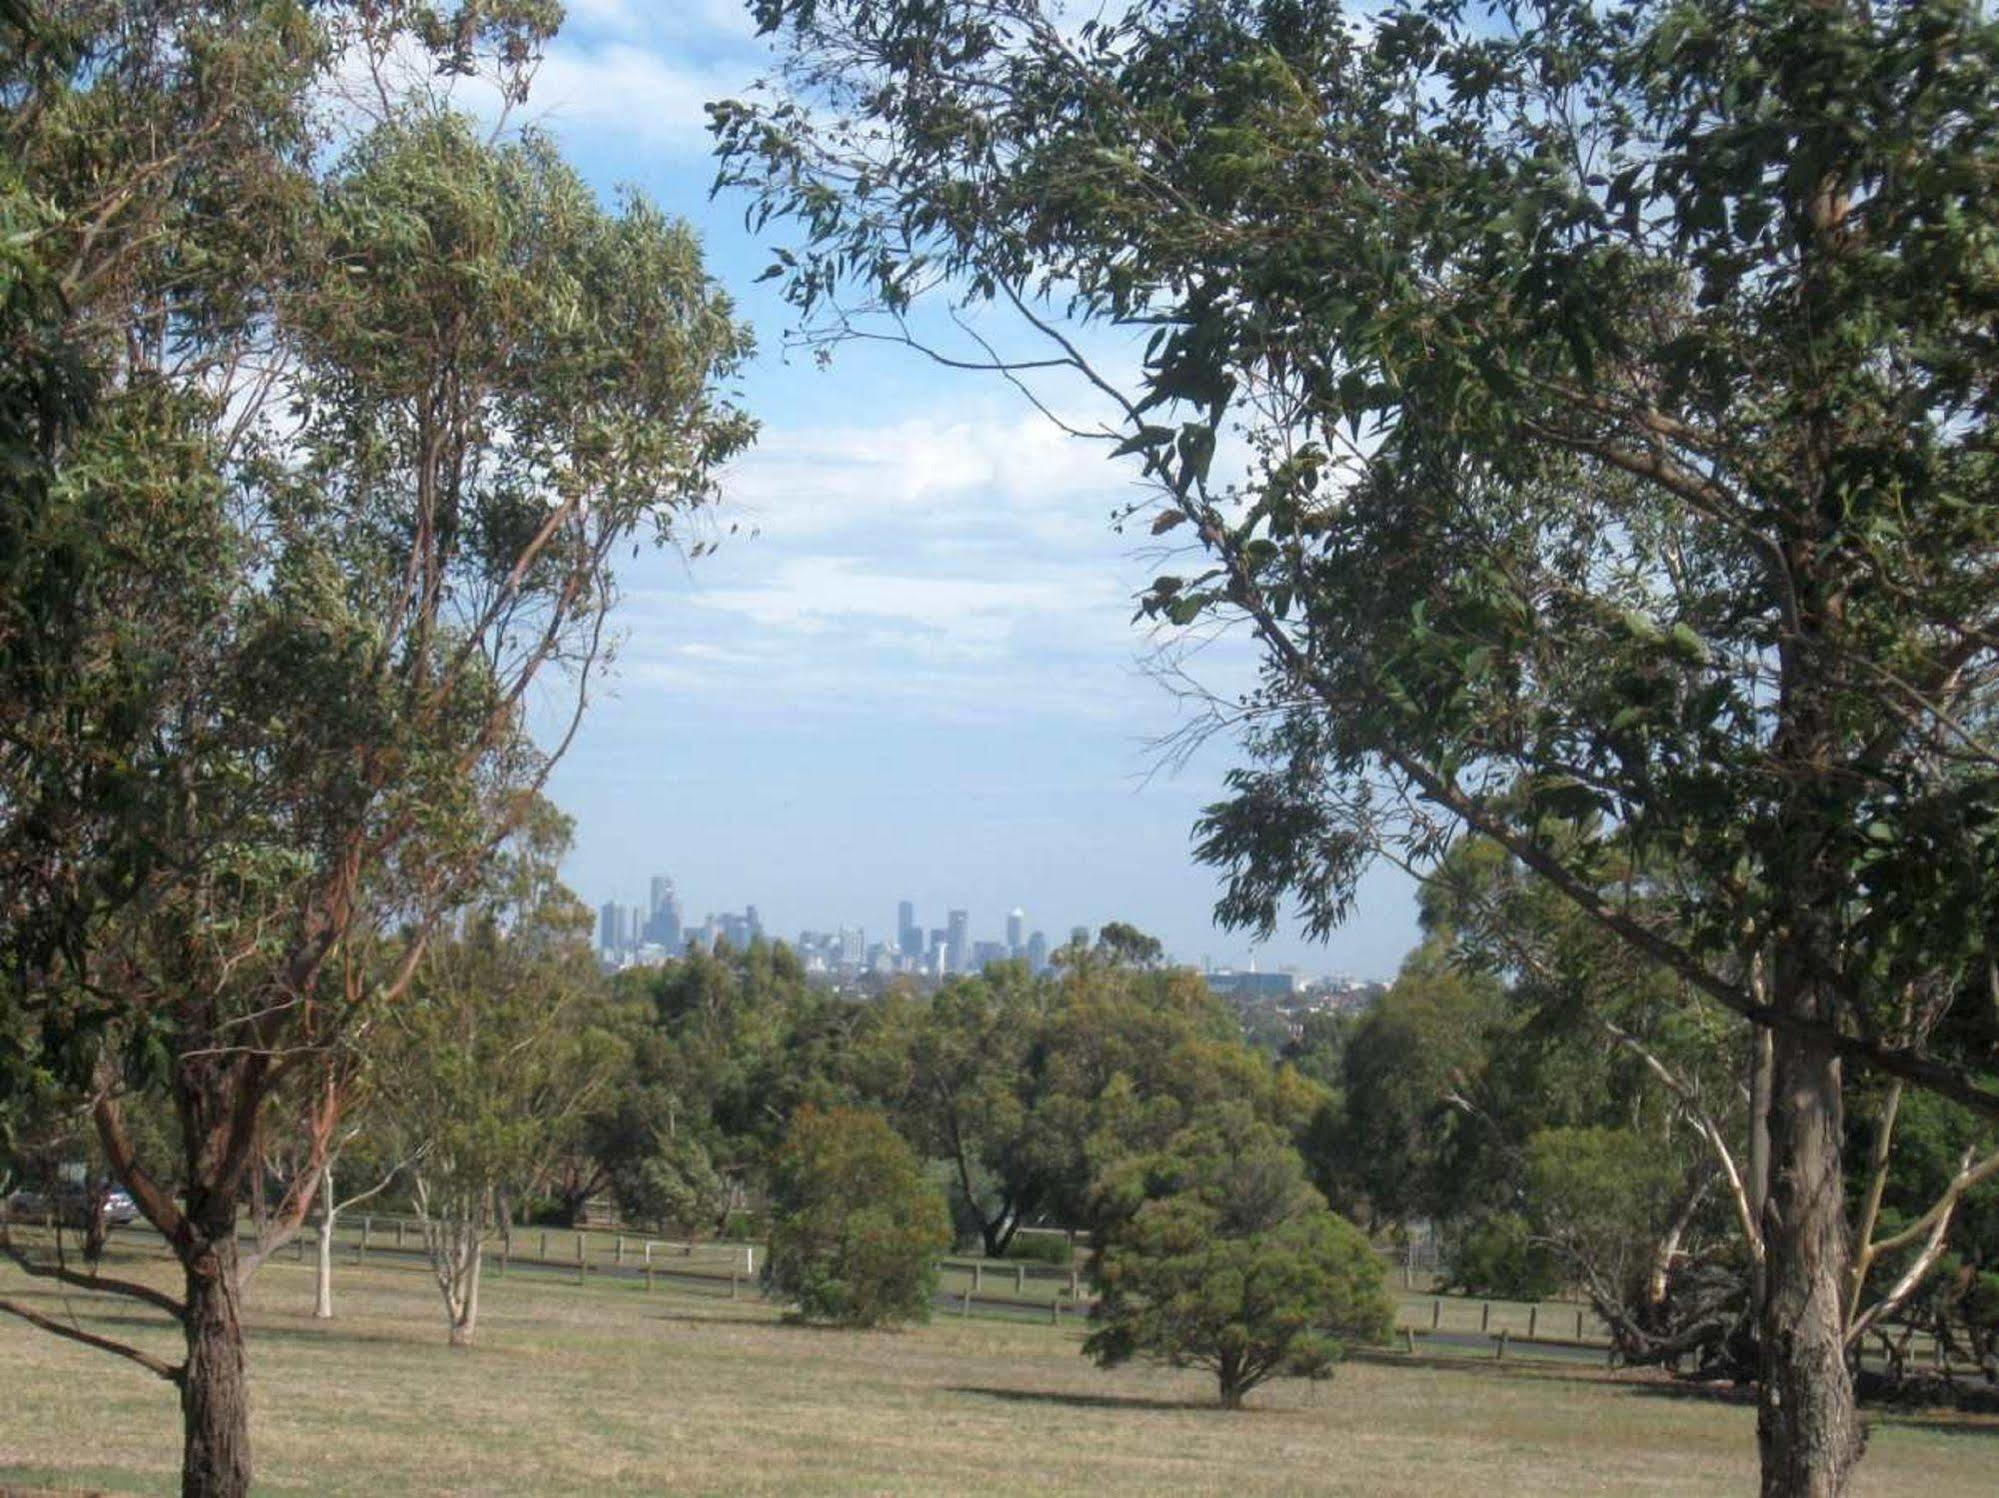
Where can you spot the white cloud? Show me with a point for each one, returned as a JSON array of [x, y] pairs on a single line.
[[630, 91], [938, 472], [976, 615]]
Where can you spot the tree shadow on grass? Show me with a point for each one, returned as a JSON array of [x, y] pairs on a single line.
[[1740, 1394], [1967, 1427], [1090, 1401], [720, 1316]]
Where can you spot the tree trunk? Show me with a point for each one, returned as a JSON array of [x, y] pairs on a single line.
[[214, 1399], [322, 1298], [1758, 1183], [1808, 1432], [466, 1320]]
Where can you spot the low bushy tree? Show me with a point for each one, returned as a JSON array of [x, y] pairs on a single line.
[[856, 1225], [1218, 1254]]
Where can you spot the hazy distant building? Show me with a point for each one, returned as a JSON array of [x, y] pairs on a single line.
[[984, 952], [1037, 952], [1253, 985], [1016, 932], [663, 927], [608, 920], [853, 946], [959, 926], [908, 935]]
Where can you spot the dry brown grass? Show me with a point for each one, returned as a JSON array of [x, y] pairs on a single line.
[[607, 1389]]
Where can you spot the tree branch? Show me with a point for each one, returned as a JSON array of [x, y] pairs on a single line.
[[173, 1373]]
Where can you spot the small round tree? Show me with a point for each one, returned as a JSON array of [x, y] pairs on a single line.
[[856, 1226], [1216, 1253]]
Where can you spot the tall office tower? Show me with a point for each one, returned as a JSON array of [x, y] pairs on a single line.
[[959, 924], [937, 953], [752, 922], [1016, 931], [663, 925], [1037, 952], [853, 945], [908, 935], [607, 926], [635, 927]]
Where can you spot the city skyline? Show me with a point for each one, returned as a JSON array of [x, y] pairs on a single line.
[[910, 664], [663, 927]]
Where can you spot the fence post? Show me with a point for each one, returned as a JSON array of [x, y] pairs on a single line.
[[1409, 1336], [367, 1225], [544, 1243], [1020, 1279], [965, 1307], [618, 1251], [1436, 1314], [1533, 1317], [581, 1267], [978, 1278], [1075, 1291], [1579, 1326], [1501, 1354], [1485, 1317], [749, 1260], [1055, 1308]]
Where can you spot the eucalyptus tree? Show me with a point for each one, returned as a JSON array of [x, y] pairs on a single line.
[[1614, 392], [488, 1068], [376, 414]]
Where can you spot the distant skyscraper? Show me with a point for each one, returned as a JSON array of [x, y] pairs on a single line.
[[959, 924], [1037, 952], [608, 921], [908, 935], [1016, 931], [663, 925]]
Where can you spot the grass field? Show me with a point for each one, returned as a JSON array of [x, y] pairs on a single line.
[[606, 1389]]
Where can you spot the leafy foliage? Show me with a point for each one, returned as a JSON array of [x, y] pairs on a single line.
[[856, 1227], [1216, 1254]]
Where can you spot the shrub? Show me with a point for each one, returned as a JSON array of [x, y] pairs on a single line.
[[856, 1227], [1499, 1256], [1217, 1254], [1041, 1248]]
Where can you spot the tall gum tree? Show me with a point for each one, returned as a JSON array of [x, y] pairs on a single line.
[[372, 422], [1618, 389]]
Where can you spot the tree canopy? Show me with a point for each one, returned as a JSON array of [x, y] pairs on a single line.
[[1587, 410]]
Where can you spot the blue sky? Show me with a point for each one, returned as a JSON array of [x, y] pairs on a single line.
[[911, 672]]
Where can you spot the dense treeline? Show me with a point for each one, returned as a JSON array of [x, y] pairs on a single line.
[[1563, 1115]]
